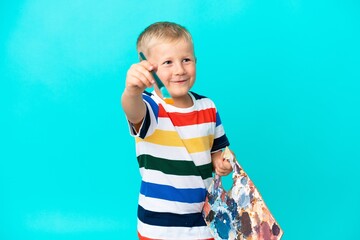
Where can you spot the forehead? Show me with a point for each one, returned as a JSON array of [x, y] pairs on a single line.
[[170, 46], [151, 41]]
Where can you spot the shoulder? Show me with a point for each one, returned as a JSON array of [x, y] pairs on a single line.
[[151, 101], [197, 96], [146, 94], [203, 100], [149, 97]]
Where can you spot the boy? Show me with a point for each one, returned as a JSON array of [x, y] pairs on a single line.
[[177, 145]]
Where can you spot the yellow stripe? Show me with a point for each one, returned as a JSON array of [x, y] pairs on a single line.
[[163, 137], [172, 139], [199, 144]]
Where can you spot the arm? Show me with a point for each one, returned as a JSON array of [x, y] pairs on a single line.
[[222, 167], [138, 78]]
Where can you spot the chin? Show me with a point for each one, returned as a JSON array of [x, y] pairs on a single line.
[[179, 94]]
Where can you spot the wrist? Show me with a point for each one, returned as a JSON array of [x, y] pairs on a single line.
[[130, 92]]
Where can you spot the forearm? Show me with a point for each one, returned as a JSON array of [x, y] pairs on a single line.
[[134, 107], [138, 78]]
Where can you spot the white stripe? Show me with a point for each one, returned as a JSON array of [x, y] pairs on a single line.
[[219, 131], [152, 126], [201, 158], [165, 124], [160, 151], [173, 153], [181, 182], [201, 104], [207, 182], [198, 130], [161, 205], [204, 103], [173, 233]]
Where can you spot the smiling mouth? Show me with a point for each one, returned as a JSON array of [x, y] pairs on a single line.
[[179, 81]]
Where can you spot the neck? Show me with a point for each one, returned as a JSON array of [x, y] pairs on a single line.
[[183, 102]]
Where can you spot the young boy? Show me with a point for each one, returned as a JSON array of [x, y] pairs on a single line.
[[177, 145]]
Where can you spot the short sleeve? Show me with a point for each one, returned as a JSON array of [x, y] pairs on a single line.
[[220, 138], [149, 122]]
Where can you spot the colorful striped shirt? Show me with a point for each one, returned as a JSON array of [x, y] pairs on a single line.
[[173, 149]]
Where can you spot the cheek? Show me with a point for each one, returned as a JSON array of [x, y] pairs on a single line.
[[192, 71], [193, 74], [163, 75]]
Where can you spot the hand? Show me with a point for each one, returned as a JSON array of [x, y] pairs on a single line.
[[139, 78], [222, 166]]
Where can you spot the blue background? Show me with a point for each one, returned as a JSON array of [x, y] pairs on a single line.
[[283, 73]]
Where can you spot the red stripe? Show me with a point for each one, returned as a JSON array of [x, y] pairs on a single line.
[[145, 238], [185, 119]]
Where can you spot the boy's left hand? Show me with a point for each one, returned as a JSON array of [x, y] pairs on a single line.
[[222, 167]]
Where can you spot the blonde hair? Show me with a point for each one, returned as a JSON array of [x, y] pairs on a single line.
[[165, 31]]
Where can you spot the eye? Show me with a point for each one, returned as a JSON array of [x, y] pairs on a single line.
[[167, 62], [187, 60]]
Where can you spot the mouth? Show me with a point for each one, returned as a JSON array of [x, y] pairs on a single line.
[[179, 81]]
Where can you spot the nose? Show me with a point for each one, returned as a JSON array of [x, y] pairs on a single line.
[[179, 69]]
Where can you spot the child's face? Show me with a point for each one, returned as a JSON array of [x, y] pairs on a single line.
[[175, 65]]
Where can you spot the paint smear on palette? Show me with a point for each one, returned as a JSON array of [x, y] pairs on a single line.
[[240, 213]]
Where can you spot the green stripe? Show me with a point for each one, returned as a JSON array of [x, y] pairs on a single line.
[[175, 167]]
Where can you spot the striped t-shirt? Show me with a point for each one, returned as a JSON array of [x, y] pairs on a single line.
[[173, 148]]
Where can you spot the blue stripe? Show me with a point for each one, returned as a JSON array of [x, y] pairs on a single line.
[[218, 120], [185, 195], [170, 219], [145, 125], [153, 104]]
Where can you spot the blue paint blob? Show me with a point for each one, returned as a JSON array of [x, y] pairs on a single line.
[[243, 181], [232, 206], [222, 223], [244, 200]]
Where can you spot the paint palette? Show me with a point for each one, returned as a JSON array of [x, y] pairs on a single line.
[[240, 213]]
